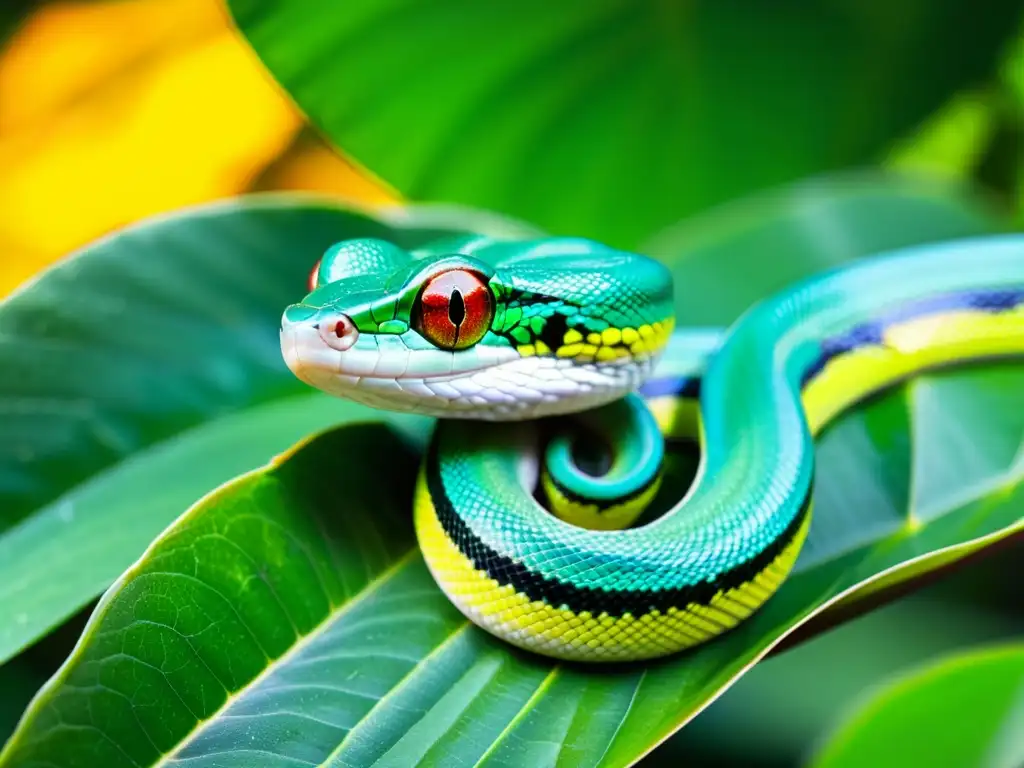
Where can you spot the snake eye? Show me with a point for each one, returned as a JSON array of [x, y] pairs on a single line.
[[454, 309], [311, 281]]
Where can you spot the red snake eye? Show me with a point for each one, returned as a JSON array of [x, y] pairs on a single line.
[[454, 309], [312, 279]]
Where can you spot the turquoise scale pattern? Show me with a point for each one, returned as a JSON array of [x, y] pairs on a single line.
[[758, 451], [753, 494]]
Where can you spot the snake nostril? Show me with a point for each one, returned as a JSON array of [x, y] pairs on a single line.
[[338, 332]]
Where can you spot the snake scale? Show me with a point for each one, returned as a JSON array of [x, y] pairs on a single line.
[[527, 522]]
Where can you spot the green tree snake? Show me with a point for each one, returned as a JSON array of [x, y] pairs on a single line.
[[526, 522]]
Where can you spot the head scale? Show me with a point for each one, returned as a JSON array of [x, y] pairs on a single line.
[[477, 328]]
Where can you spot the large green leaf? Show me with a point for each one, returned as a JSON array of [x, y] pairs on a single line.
[[614, 119], [289, 619], [144, 371], [967, 709]]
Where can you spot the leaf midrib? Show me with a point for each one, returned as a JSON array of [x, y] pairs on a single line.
[[523, 711], [397, 687], [300, 644]]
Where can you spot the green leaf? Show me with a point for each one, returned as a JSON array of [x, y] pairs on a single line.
[[289, 619], [146, 370], [951, 142], [614, 119], [967, 709], [788, 701]]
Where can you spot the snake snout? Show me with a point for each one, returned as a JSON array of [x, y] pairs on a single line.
[[338, 331]]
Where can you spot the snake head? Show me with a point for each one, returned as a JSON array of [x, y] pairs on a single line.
[[477, 328]]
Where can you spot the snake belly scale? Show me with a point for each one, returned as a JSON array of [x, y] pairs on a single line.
[[526, 522]]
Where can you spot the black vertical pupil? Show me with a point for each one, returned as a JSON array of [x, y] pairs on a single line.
[[456, 308]]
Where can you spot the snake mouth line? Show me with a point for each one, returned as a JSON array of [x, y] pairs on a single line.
[[484, 382], [305, 351]]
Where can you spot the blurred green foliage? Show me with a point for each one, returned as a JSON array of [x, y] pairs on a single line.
[[977, 136], [612, 120], [967, 709]]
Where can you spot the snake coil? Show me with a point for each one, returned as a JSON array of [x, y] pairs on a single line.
[[489, 336]]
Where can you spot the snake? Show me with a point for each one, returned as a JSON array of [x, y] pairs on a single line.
[[559, 384]]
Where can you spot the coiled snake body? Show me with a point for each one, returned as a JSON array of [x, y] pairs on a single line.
[[476, 330]]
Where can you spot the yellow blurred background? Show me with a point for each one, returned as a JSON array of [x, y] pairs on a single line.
[[113, 111]]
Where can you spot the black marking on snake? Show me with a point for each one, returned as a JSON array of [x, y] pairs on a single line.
[[615, 603], [553, 331], [872, 333], [686, 387]]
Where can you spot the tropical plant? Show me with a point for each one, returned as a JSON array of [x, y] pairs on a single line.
[[263, 601]]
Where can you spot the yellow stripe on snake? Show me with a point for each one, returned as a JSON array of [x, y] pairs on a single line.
[[555, 371]]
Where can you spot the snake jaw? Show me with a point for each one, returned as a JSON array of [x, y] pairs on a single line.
[[485, 382]]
